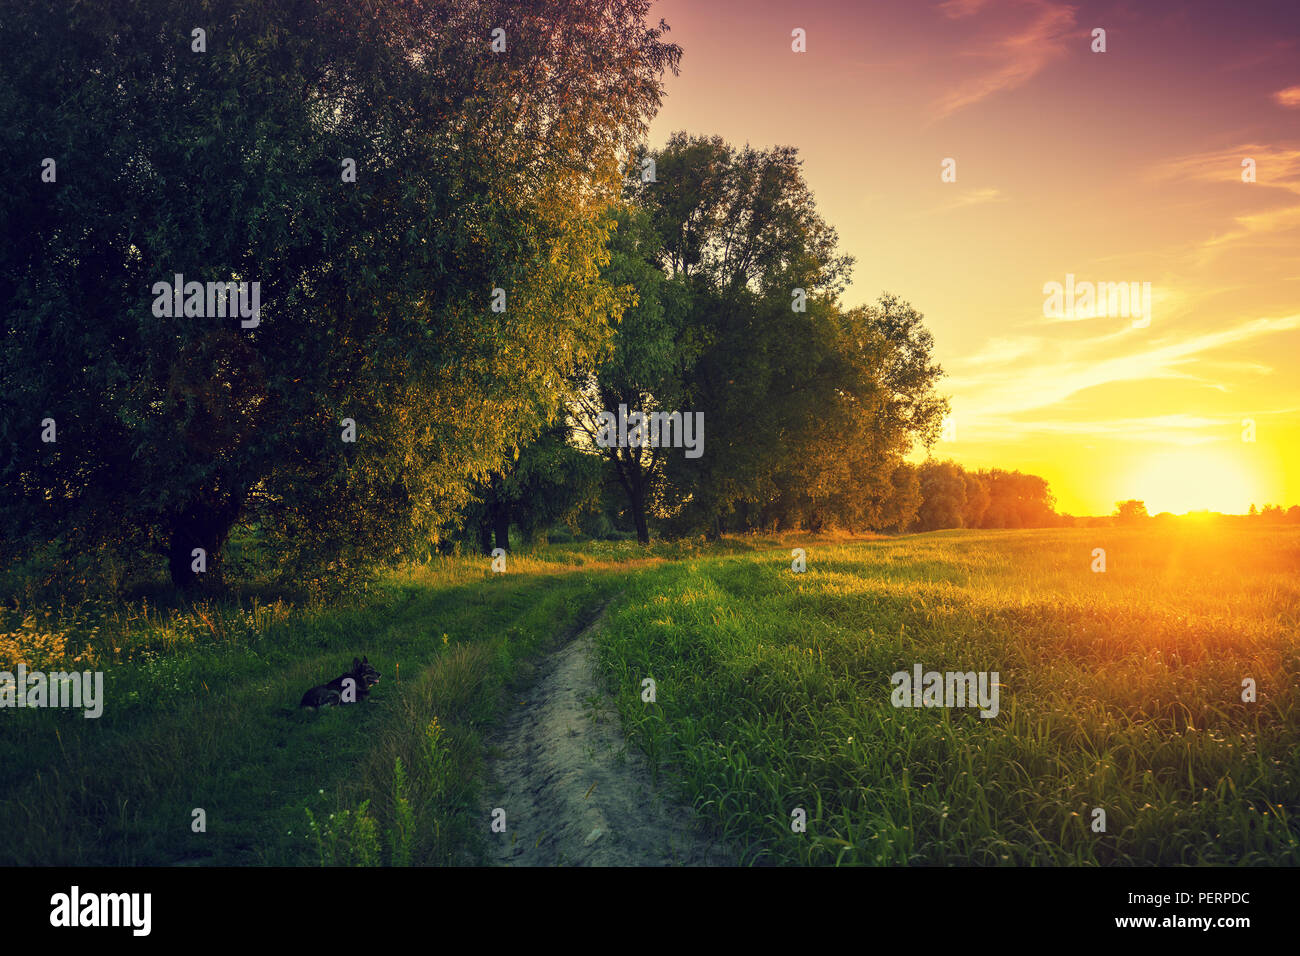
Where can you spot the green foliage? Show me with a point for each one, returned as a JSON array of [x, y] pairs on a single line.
[[550, 483], [437, 761], [225, 165], [1017, 500], [943, 493], [345, 837], [809, 410], [992, 498], [740, 219], [403, 833], [655, 345]]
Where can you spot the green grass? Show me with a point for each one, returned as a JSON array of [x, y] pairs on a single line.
[[1120, 690], [207, 717]]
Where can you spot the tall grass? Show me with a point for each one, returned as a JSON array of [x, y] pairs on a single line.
[[1121, 691], [201, 712]]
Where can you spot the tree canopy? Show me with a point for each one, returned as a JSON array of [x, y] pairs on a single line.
[[225, 157]]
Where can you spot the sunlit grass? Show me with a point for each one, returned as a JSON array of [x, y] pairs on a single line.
[[1122, 690]]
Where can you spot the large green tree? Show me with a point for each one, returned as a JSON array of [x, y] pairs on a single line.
[[809, 407], [486, 137], [943, 493]]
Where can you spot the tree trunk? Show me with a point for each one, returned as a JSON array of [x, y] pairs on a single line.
[[638, 516], [496, 521], [635, 485], [501, 525], [485, 535], [205, 526]]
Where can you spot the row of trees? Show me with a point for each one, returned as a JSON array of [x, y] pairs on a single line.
[[507, 264], [933, 495], [735, 281], [1275, 514], [952, 497]]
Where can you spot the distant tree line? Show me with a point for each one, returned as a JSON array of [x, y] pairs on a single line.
[[952, 497], [1134, 512], [1275, 514]]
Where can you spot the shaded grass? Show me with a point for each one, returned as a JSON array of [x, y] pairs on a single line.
[[198, 717]]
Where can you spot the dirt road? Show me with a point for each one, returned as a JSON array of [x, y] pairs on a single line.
[[573, 792]]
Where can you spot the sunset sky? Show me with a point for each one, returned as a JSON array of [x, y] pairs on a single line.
[[1123, 166]]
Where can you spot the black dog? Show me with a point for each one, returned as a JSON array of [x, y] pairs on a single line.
[[363, 677]]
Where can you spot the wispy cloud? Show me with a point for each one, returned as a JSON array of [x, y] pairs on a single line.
[[1176, 429], [1015, 40], [999, 351], [1277, 178], [970, 197], [1069, 370], [956, 9], [1182, 430], [1276, 166]]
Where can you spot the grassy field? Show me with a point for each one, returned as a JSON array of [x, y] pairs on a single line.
[[202, 712], [1119, 690]]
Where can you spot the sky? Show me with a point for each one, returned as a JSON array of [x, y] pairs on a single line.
[[1123, 166]]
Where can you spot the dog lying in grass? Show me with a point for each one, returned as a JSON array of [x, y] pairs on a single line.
[[363, 677]]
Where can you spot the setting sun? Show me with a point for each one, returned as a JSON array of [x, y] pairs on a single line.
[[1194, 479]]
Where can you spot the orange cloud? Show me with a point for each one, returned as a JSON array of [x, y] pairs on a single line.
[[1290, 97]]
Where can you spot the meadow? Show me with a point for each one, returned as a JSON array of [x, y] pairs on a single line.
[[1120, 690]]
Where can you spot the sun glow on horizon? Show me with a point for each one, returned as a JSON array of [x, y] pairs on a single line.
[[1194, 479]]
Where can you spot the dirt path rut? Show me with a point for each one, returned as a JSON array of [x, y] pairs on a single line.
[[574, 792]]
